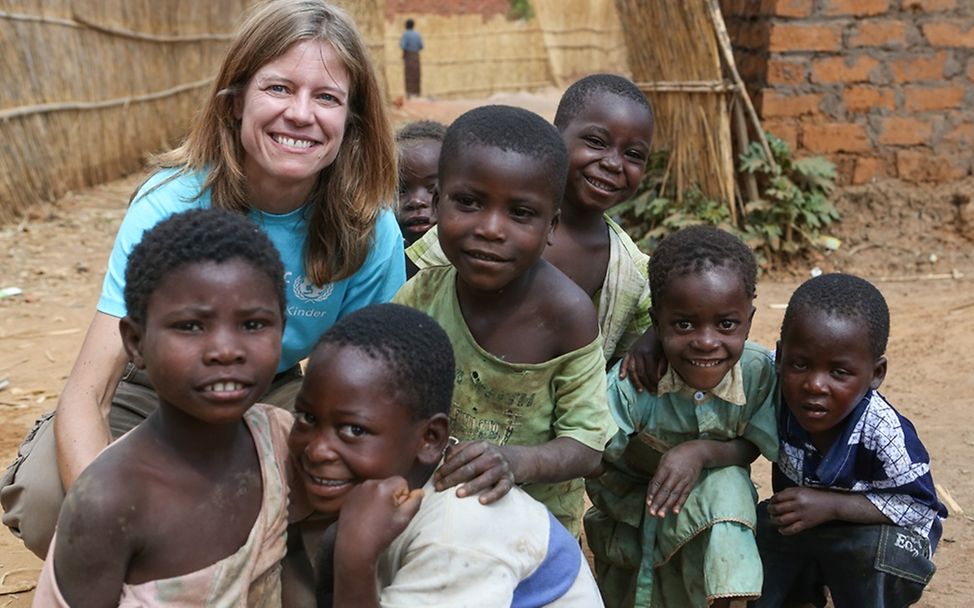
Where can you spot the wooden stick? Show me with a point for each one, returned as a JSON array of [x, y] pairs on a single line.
[[954, 274], [124, 33], [948, 500], [691, 86], [723, 39], [46, 108], [743, 139]]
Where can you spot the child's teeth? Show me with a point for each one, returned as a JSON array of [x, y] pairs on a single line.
[[222, 387]]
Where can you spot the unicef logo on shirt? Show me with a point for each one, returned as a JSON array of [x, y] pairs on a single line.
[[309, 292]]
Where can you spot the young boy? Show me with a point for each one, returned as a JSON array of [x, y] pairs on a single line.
[[370, 431], [854, 508], [530, 403], [419, 157], [607, 125]]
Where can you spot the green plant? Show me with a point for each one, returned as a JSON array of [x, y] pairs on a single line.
[[521, 9], [785, 221]]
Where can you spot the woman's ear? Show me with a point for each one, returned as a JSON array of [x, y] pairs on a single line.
[[435, 436], [132, 335]]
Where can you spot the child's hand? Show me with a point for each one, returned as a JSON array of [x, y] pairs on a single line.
[[478, 465], [798, 509], [644, 364], [373, 515], [675, 477]]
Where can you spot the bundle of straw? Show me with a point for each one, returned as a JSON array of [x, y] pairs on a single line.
[[674, 56]]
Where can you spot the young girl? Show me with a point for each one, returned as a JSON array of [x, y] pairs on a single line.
[[674, 512], [293, 133], [190, 507], [419, 157], [607, 125]]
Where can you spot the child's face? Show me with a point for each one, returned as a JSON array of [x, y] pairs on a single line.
[[211, 339], [349, 427], [826, 367], [496, 214], [417, 182], [608, 145], [703, 320]]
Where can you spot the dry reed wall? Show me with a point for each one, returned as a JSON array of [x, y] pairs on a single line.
[[482, 51], [883, 87], [93, 87]]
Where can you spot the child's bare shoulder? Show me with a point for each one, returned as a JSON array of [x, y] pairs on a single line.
[[568, 306]]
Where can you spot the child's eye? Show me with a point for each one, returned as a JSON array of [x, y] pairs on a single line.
[[352, 430], [841, 373], [430, 187], [636, 155], [684, 325], [304, 417], [192, 326], [254, 324], [523, 212], [727, 324], [465, 202], [798, 365], [594, 142]]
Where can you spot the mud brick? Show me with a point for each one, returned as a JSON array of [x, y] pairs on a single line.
[[905, 131], [834, 70], [774, 104], [857, 8], [949, 34], [826, 138], [925, 166], [882, 32], [925, 99], [930, 6], [794, 37], [868, 168], [793, 8], [786, 72], [864, 98], [785, 129], [914, 69]]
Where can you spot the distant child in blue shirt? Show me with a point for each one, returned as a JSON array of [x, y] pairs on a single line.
[[854, 506]]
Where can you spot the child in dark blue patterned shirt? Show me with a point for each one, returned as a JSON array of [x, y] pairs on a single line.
[[854, 506]]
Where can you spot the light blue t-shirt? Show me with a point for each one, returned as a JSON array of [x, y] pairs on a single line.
[[310, 309]]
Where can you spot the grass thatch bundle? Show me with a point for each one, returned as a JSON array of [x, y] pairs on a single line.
[[93, 86], [675, 57], [581, 36]]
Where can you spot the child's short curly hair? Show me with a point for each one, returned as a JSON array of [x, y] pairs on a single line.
[[845, 296], [421, 130], [512, 130], [414, 348], [193, 237], [696, 249], [578, 95]]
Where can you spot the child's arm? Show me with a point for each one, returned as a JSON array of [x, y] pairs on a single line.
[[797, 509], [481, 465], [680, 467], [95, 540], [644, 364], [373, 515]]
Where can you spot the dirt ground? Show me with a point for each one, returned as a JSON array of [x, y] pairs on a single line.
[[907, 239]]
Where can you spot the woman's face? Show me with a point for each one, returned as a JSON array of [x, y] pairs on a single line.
[[292, 119]]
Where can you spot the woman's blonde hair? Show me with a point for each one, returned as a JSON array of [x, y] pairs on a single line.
[[350, 193]]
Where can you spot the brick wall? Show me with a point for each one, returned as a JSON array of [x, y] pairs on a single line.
[[882, 87]]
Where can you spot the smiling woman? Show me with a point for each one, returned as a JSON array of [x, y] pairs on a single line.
[[293, 134]]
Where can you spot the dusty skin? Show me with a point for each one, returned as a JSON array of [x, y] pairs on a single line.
[[57, 256]]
